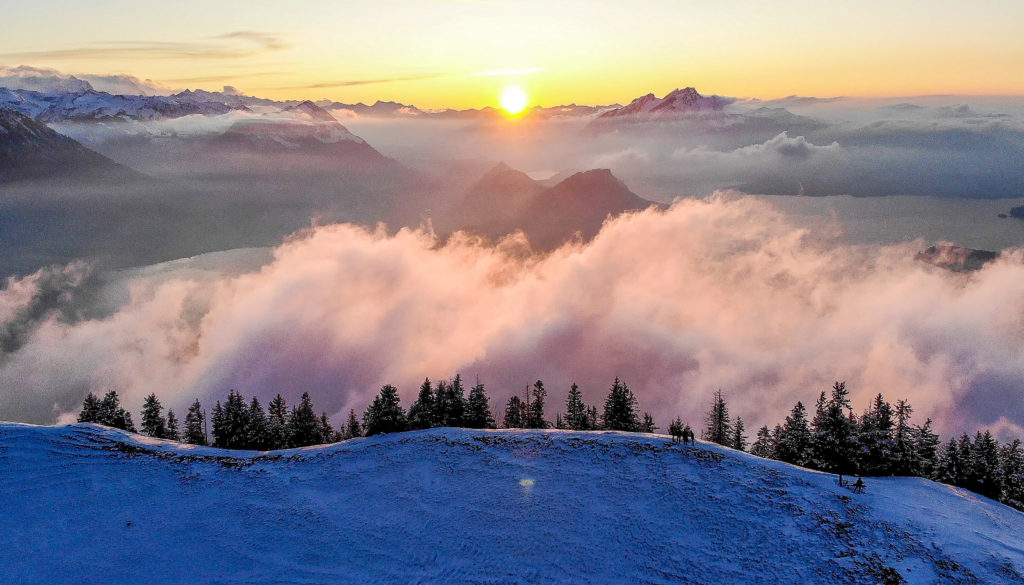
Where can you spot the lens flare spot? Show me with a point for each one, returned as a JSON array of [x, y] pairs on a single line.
[[526, 483]]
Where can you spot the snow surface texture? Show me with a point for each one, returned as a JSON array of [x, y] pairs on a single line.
[[85, 504]]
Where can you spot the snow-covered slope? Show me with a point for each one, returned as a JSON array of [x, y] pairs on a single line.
[[83, 504]]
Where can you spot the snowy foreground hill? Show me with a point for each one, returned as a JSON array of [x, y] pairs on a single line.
[[84, 504]]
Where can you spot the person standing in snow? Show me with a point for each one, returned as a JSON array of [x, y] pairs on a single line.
[[858, 486]]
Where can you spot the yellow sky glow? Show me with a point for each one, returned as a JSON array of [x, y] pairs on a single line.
[[437, 54]]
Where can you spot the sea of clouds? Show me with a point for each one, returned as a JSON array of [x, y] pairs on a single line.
[[723, 292]]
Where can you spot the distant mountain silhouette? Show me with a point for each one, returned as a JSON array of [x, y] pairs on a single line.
[[31, 150], [505, 200]]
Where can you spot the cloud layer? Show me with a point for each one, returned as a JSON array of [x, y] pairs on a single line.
[[710, 294]]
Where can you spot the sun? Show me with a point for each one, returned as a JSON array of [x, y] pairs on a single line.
[[514, 100]]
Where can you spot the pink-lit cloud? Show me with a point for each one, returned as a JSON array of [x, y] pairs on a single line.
[[719, 293]]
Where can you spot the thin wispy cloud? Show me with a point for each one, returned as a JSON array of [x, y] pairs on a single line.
[[356, 82], [267, 40], [233, 45], [213, 78]]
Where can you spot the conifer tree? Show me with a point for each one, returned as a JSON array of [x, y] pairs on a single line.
[[739, 440], [535, 407], [875, 438], [620, 409], [421, 413], [968, 465], [575, 410], [303, 424], [559, 423], [515, 413], [905, 459], [231, 423], [352, 427], [1012, 464], [926, 449], [648, 426], [449, 403], [217, 425], [327, 432], [763, 445], [195, 425], [258, 430], [988, 473], [717, 424], [277, 424], [172, 427], [794, 441], [478, 409], [153, 422], [593, 422], [90, 409], [385, 414], [834, 445], [948, 467], [112, 415]]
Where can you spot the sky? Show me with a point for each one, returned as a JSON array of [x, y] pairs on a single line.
[[463, 53]]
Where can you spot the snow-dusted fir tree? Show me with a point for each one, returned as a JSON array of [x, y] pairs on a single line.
[[926, 449], [385, 414], [303, 423], [153, 422], [905, 460], [230, 422], [421, 413], [620, 409], [352, 427], [277, 424], [327, 432], [575, 410], [258, 431], [90, 409], [1013, 474], [112, 415], [739, 440], [449, 403], [195, 425], [478, 409], [763, 445], [717, 424], [794, 444], [515, 413], [172, 432], [834, 445], [535, 407], [875, 438], [987, 476], [648, 426]]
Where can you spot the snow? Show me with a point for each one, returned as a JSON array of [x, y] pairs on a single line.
[[85, 504]]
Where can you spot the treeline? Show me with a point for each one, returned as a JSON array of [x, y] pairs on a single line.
[[234, 424], [880, 441], [238, 424]]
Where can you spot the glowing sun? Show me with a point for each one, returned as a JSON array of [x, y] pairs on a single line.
[[514, 100]]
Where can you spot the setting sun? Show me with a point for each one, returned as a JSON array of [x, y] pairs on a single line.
[[514, 100]]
